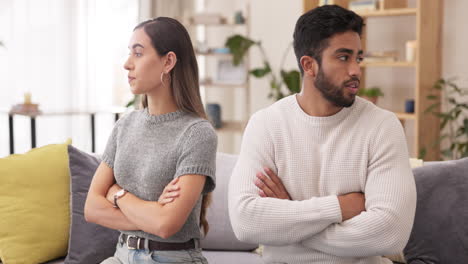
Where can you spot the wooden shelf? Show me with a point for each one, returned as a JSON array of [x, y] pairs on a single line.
[[388, 64], [389, 12], [405, 116], [232, 126]]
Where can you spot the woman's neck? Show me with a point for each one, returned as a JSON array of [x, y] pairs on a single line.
[[161, 103]]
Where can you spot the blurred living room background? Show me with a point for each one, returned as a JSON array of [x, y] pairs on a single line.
[[67, 57]]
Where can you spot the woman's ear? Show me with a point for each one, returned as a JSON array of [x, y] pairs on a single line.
[[309, 66], [170, 61]]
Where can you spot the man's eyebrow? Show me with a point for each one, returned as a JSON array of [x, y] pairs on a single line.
[[348, 51], [344, 50], [137, 45]]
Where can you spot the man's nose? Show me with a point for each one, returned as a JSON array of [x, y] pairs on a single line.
[[355, 70]]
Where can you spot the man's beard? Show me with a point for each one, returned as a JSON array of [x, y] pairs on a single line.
[[332, 93]]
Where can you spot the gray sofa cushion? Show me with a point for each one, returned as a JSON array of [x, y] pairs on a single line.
[[440, 230], [221, 236], [88, 242]]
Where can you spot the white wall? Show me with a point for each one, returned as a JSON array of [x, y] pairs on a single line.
[[273, 23], [454, 41]]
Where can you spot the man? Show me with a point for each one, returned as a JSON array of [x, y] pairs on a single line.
[[345, 192]]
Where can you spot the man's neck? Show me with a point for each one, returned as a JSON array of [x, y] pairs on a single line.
[[313, 103]]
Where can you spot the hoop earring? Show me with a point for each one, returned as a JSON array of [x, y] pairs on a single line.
[[162, 78]]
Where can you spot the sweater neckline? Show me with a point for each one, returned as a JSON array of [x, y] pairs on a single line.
[[321, 120], [154, 119]]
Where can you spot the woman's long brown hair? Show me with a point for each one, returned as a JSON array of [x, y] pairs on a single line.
[[167, 34]]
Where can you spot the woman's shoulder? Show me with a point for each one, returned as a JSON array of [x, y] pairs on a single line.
[[198, 124], [198, 128], [129, 116]]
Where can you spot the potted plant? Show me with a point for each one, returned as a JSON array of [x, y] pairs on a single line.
[[239, 46], [454, 120], [372, 94]]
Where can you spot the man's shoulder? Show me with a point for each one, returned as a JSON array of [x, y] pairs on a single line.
[[275, 111], [372, 117], [369, 112]]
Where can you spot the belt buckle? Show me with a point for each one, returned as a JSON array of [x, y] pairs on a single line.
[[128, 244]]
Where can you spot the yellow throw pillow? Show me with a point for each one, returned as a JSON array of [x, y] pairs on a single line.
[[34, 205]]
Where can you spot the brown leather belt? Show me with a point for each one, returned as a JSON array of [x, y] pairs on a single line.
[[134, 242]]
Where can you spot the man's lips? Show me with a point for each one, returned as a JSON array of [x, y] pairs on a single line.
[[130, 79], [353, 86]]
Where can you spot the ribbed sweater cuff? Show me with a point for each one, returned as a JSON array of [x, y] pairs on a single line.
[[330, 209], [200, 170], [110, 162]]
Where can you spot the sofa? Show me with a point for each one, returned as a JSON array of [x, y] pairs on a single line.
[[87, 239], [442, 197]]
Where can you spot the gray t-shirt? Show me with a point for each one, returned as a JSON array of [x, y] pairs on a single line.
[[146, 152]]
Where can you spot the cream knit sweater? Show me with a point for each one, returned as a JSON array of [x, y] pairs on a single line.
[[360, 149]]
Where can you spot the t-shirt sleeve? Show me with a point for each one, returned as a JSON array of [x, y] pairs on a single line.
[[198, 154], [108, 156]]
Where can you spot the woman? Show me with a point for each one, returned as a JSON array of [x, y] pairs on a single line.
[[167, 143]]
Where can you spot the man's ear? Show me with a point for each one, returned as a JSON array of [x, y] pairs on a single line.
[[309, 66], [170, 61]]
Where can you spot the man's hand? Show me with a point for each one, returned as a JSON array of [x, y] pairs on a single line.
[[271, 186], [112, 190], [171, 191], [352, 204]]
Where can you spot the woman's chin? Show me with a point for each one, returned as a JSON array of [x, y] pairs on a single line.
[[136, 91]]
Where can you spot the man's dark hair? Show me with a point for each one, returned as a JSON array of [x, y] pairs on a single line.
[[314, 28]]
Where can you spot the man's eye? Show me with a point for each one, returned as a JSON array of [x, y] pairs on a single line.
[[138, 54], [360, 59], [343, 58]]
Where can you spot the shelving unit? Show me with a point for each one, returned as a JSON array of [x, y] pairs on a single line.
[[427, 70], [232, 96]]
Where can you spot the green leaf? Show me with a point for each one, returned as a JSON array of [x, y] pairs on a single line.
[[431, 108], [443, 123], [465, 106], [438, 84], [130, 103], [260, 72], [238, 46], [447, 153], [292, 79], [465, 126], [370, 92], [442, 115], [422, 153]]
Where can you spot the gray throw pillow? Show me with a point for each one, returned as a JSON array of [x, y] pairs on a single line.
[[440, 230], [220, 235], [88, 242]]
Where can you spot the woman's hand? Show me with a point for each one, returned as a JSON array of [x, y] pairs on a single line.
[[112, 190], [171, 191]]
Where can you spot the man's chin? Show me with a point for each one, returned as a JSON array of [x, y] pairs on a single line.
[[345, 102]]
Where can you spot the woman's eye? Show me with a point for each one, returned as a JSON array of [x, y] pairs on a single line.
[[138, 54]]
